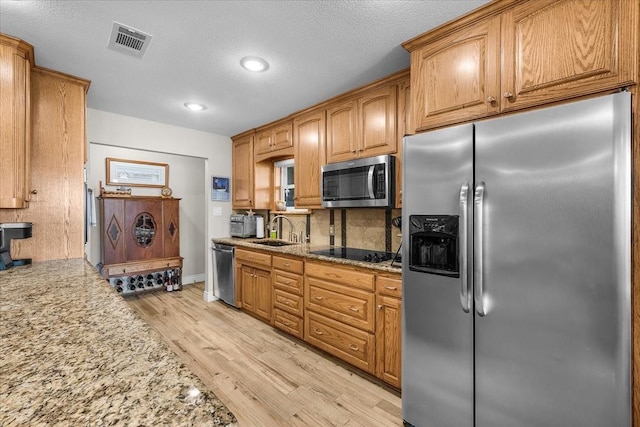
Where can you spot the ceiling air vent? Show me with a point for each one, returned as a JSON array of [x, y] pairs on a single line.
[[128, 40]]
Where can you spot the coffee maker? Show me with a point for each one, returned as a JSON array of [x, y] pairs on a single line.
[[9, 231]]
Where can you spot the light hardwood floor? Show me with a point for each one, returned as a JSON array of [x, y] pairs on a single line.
[[263, 376]]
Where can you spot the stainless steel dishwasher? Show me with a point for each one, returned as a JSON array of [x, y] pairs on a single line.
[[223, 273]]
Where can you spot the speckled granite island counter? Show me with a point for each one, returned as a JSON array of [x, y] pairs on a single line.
[[73, 353]]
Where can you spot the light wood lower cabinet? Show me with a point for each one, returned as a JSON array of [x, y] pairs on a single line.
[[389, 329], [351, 313], [339, 312], [253, 283], [288, 303]]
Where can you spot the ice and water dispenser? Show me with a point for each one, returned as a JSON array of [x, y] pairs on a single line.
[[433, 243]]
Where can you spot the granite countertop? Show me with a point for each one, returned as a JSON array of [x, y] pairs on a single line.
[[303, 250], [73, 353]]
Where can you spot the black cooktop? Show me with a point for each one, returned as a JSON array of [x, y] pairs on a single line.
[[357, 254]]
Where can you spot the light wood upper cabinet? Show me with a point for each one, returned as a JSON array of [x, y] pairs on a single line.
[[364, 126], [57, 153], [556, 50], [309, 137], [242, 185], [457, 77], [518, 54], [274, 141], [16, 60]]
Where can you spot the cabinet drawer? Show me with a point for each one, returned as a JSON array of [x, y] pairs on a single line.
[[391, 286], [288, 302], [288, 264], [349, 344], [289, 323], [254, 258], [348, 305], [345, 276], [289, 282]]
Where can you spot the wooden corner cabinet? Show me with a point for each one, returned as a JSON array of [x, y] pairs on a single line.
[[139, 235]]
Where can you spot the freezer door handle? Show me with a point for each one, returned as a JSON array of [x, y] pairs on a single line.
[[478, 201], [465, 298]]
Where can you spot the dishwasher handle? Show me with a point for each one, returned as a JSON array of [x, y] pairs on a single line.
[[216, 249]]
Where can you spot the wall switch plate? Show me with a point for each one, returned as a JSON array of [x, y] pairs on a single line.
[[217, 211], [332, 230]]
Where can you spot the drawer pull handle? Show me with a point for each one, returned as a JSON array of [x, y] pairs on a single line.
[[354, 347], [391, 288], [355, 309], [286, 264], [286, 302], [318, 298], [288, 282], [317, 332]]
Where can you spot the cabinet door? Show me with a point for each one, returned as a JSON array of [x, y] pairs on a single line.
[[143, 229], [171, 227], [242, 185], [557, 50], [112, 212], [388, 339], [342, 133], [377, 122], [263, 141], [281, 137], [248, 287], [309, 137], [15, 123], [263, 293], [456, 78]]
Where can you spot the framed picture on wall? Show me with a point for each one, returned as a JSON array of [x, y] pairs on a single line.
[[220, 189], [137, 173]]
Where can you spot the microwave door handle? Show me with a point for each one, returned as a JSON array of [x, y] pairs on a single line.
[[478, 257], [370, 181], [465, 298]]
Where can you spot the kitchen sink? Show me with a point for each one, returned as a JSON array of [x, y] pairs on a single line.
[[273, 242]]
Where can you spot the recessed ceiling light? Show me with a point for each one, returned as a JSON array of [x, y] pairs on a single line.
[[194, 106], [253, 63]]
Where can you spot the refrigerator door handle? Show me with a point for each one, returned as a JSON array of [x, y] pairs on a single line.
[[465, 299], [478, 201]]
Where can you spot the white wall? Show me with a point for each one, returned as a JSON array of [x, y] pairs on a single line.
[[113, 135]]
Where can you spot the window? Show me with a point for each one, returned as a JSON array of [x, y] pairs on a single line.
[[287, 186]]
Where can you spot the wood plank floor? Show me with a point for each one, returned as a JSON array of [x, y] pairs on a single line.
[[265, 377]]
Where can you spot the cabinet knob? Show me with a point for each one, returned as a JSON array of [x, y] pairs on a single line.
[[508, 95], [34, 191], [379, 306], [491, 99]]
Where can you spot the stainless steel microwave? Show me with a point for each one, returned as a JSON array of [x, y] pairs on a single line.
[[367, 182]]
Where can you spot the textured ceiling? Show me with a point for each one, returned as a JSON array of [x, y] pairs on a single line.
[[316, 49]]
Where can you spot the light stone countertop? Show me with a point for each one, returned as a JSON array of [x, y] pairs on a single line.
[[72, 353], [303, 250]]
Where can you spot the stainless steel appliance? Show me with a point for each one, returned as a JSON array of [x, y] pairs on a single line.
[[8, 232], [357, 183], [223, 273], [517, 277], [242, 225]]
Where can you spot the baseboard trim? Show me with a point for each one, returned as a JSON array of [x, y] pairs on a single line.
[[196, 278], [209, 297]]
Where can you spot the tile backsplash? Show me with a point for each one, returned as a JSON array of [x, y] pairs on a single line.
[[364, 228]]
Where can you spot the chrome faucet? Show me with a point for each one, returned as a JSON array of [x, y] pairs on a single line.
[[291, 227], [303, 231]]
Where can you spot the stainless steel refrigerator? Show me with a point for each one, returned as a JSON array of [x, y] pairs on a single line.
[[517, 270]]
